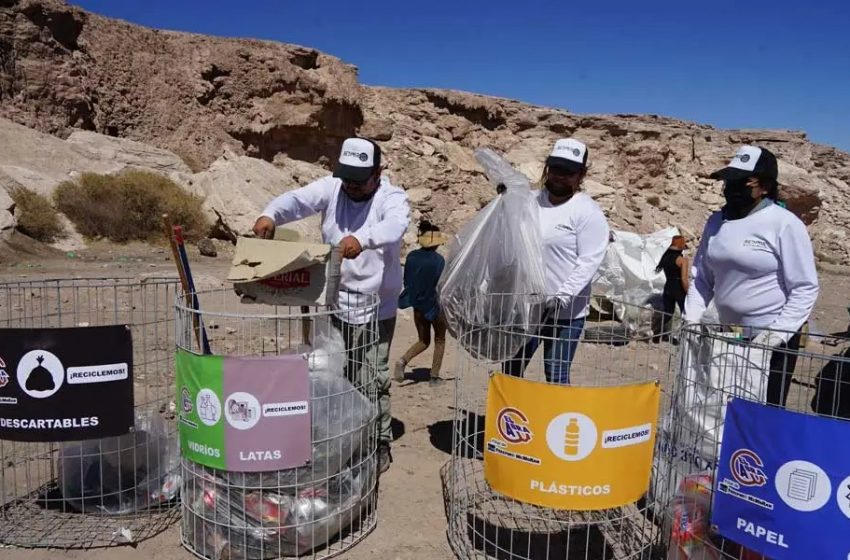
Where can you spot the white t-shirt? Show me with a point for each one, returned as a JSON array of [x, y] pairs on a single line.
[[759, 270], [378, 224], [575, 239]]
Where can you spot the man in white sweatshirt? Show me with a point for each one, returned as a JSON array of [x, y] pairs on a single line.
[[755, 261], [366, 216]]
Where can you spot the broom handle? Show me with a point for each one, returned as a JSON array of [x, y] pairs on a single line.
[[184, 282], [200, 331]]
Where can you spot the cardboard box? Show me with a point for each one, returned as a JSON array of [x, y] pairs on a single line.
[[277, 272]]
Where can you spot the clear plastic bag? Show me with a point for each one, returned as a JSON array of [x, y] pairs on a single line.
[[494, 276], [328, 353], [120, 475], [688, 522], [688, 515]]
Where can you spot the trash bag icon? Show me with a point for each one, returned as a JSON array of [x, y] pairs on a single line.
[[40, 378]]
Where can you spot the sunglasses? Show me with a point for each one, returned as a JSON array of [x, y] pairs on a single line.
[[736, 184], [561, 172], [355, 184]]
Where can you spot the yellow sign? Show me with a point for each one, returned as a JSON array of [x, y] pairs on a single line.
[[565, 447]]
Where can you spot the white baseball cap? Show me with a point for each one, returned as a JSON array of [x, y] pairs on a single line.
[[569, 154], [749, 161], [358, 159]]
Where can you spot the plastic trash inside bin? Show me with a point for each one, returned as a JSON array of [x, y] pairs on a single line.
[[124, 474]]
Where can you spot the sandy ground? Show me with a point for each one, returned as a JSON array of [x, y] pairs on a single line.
[[411, 518]]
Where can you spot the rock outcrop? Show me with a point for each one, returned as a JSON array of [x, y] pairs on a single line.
[[253, 118], [7, 214]]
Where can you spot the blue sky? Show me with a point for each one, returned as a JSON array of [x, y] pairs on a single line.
[[728, 63]]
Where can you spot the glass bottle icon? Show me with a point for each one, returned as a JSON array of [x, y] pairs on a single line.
[[572, 437]]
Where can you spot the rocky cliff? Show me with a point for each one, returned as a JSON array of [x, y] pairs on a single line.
[[214, 101]]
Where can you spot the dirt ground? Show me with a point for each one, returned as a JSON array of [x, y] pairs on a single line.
[[411, 517]]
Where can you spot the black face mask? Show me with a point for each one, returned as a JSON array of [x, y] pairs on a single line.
[[359, 193], [738, 195], [559, 189]]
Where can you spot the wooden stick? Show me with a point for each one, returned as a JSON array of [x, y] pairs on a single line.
[[188, 300], [175, 254], [200, 331]]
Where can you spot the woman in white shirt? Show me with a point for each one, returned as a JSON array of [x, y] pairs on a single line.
[[755, 261], [575, 239]]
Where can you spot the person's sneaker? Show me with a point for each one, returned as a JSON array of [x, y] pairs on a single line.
[[385, 457], [436, 381], [398, 371]]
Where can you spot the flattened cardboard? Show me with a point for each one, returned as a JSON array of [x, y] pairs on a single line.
[[278, 272]]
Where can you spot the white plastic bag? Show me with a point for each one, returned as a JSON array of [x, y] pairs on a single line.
[[628, 276], [494, 276], [712, 369]]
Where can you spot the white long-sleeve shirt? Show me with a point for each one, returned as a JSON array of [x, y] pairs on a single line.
[[575, 239], [378, 224], [759, 270]]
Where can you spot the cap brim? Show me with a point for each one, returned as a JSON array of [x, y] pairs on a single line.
[[351, 173], [731, 174], [565, 164]]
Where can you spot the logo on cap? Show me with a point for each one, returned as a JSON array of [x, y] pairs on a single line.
[[362, 156], [745, 158], [576, 152]]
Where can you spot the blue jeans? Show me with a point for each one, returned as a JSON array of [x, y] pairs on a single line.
[[559, 347]]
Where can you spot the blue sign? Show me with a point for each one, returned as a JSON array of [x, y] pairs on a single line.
[[783, 483]]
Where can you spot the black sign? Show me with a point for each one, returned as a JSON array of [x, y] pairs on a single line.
[[66, 384]]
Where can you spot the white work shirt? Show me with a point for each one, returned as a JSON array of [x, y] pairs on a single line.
[[378, 224], [575, 240], [759, 270]]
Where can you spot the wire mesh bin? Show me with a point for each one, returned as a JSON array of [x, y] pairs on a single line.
[[809, 374], [319, 509], [97, 492], [619, 345]]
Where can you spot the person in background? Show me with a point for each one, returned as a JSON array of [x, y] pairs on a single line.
[[366, 217], [575, 239], [422, 271], [755, 261], [676, 269]]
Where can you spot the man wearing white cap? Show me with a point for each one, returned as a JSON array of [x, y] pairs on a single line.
[[755, 261], [575, 240], [366, 216]]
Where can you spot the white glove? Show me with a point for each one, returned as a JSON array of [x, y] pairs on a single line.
[[770, 339], [558, 302]]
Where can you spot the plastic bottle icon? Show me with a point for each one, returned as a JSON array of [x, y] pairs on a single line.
[[572, 437]]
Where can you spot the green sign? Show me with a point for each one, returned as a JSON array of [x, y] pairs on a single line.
[[201, 417]]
